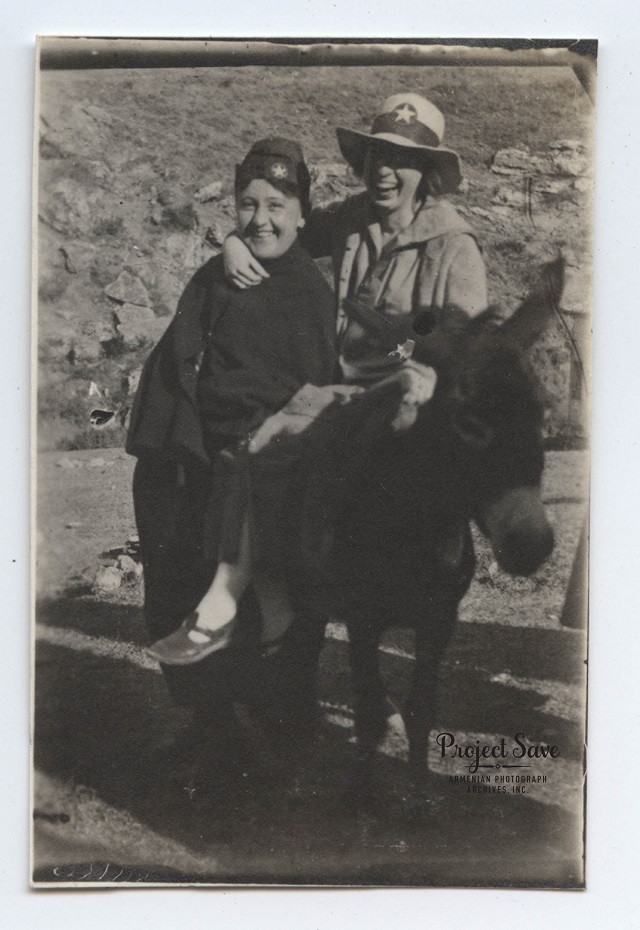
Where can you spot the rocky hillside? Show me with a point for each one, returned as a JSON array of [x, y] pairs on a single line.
[[135, 192]]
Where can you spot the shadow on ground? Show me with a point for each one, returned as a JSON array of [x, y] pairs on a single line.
[[265, 817]]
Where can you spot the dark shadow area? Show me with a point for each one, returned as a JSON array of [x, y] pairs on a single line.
[[528, 652], [95, 617], [280, 817]]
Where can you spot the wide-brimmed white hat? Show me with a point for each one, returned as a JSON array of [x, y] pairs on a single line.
[[411, 122]]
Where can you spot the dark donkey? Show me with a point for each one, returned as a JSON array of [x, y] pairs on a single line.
[[402, 552]]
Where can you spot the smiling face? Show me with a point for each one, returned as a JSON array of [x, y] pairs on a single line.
[[268, 219], [392, 175]]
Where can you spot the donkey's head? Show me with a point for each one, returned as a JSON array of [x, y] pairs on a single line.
[[488, 406]]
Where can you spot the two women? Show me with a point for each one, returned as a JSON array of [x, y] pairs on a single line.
[[236, 354], [399, 248]]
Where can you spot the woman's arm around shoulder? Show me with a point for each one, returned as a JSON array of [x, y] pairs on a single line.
[[243, 270]]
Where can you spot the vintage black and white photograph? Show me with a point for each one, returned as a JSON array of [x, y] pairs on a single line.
[[312, 355]]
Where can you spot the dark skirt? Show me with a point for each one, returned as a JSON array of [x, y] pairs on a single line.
[[266, 489], [180, 514], [172, 508]]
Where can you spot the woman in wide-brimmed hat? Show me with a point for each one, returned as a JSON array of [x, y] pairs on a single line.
[[399, 248]]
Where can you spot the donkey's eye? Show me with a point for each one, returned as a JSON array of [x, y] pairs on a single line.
[[424, 322]]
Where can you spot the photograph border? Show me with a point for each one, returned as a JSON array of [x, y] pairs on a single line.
[[88, 54], [613, 850]]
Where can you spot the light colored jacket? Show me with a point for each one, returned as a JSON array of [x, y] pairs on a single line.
[[435, 262]]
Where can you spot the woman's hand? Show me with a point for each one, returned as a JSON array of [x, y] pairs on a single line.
[[418, 382], [240, 267]]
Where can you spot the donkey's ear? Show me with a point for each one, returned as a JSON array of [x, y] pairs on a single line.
[[436, 333], [534, 314]]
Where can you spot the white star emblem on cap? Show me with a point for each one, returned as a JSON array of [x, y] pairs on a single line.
[[405, 113], [279, 170]]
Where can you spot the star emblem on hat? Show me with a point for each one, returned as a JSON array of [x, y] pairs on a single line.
[[405, 113], [278, 170]]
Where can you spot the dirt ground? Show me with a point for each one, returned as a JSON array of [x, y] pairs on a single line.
[[109, 807]]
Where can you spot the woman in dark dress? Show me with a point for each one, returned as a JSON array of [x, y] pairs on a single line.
[[214, 519]]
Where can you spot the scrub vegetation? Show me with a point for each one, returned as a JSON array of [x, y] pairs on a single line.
[[123, 152]]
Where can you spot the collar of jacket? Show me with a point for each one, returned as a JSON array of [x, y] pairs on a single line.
[[285, 264], [435, 218]]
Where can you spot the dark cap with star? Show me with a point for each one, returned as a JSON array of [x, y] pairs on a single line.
[[280, 162]]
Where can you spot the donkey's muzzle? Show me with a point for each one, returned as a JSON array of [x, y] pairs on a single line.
[[518, 529]]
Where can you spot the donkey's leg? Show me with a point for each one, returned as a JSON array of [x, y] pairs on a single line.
[[289, 695], [432, 638], [370, 705]]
